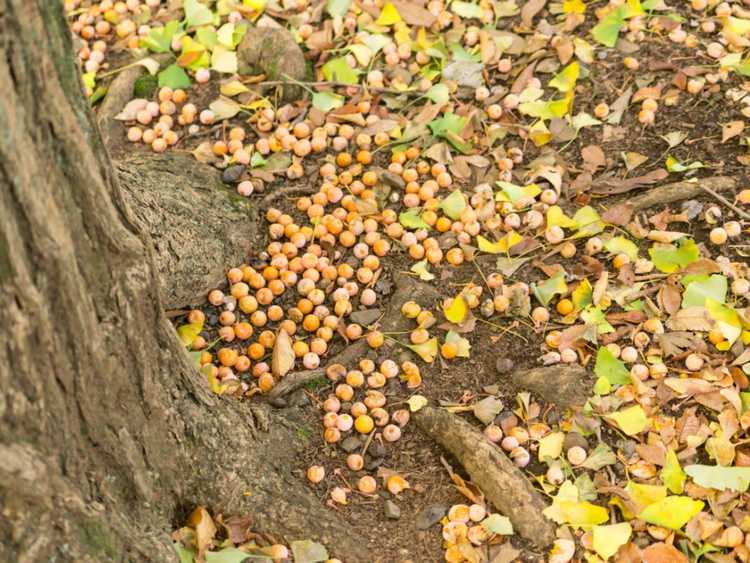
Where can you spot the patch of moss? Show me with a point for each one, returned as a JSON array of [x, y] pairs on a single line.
[[98, 539], [316, 384], [145, 86]]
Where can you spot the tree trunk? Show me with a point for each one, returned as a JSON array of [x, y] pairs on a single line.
[[108, 435]]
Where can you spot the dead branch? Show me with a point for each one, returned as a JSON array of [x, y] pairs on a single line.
[[679, 191], [502, 483]]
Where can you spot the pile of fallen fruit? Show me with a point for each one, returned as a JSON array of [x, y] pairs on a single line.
[[479, 151]]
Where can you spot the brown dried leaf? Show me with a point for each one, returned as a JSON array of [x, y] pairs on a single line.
[[593, 157], [731, 129], [676, 342], [619, 214], [205, 530], [691, 318], [414, 14], [238, 529], [663, 553], [282, 359], [633, 160], [530, 9]]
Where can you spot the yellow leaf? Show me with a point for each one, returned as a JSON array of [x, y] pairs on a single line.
[[608, 539], [566, 79], [416, 402], [671, 512], [574, 7], [389, 15], [427, 351], [457, 310], [583, 513], [632, 420], [362, 53], [556, 217], [503, 245], [233, 88], [422, 40], [551, 445], [189, 332], [539, 134]]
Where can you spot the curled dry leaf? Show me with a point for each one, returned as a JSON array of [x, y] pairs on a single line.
[[282, 359]]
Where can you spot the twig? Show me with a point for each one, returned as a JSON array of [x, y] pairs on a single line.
[[288, 191], [725, 201], [334, 84]]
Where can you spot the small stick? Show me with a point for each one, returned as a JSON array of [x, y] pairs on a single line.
[[725, 201], [288, 191]]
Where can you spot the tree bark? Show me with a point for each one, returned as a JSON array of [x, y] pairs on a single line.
[[108, 435]]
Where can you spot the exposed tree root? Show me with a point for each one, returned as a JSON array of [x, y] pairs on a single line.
[[502, 483], [294, 381], [679, 191]]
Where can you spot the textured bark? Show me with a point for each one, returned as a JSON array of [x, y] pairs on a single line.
[[199, 227], [502, 483], [680, 191], [108, 434]]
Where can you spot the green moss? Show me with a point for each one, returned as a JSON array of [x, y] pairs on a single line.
[[316, 384], [304, 432], [96, 537]]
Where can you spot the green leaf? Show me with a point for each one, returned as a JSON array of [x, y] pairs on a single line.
[[622, 245], [185, 555], [611, 368], [338, 70], [512, 193], [412, 219], [632, 421], [721, 478], [174, 77], [600, 457], [338, 7], [671, 512], [582, 295], [449, 127], [326, 101], [672, 474], [595, 316], [674, 165], [669, 258], [497, 524], [565, 80], [257, 160], [608, 539], [546, 290], [159, 39], [206, 36], [454, 204], [439, 94], [307, 551], [608, 29], [189, 332], [416, 402], [197, 14], [234, 555], [587, 222], [700, 288], [145, 86]]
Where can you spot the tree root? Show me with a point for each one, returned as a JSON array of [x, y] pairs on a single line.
[[294, 381], [504, 485], [679, 191], [289, 191]]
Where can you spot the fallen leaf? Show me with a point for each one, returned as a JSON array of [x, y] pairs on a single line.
[[416, 402], [663, 553], [530, 9], [487, 409], [631, 421], [608, 539], [671, 512], [282, 358], [205, 530], [620, 186], [498, 524], [593, 157], [731, 129], [307, 551]]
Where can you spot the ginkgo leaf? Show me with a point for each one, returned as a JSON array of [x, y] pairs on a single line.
[[512, 193], [454, 204], [719, 477], [282, 358], [462, 344], [611, 368], [582, 514], [502, 246], [416, 402], [224, 108], [670, 258], [551, 445], [174, 77], [438, 93], [205, 529], [427, 350], [595, 316], [702, 287], [582, 295], [546, 290], [498, 524], [487, 409], [234, 555], [573, 7], [189, 332], [672, 474], [726, 318], [608, 539], [631, 421], [671, 512], [185, 555], [196, 13], [308, 551], [674, 165], [587, 222], [389, 15], [622, 245], [466, 9], [420, 268], [327, 101], [565, 80], [457, 310], [412, 219], [608, 29], [339, 70], [556, 218], [233, 88]]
